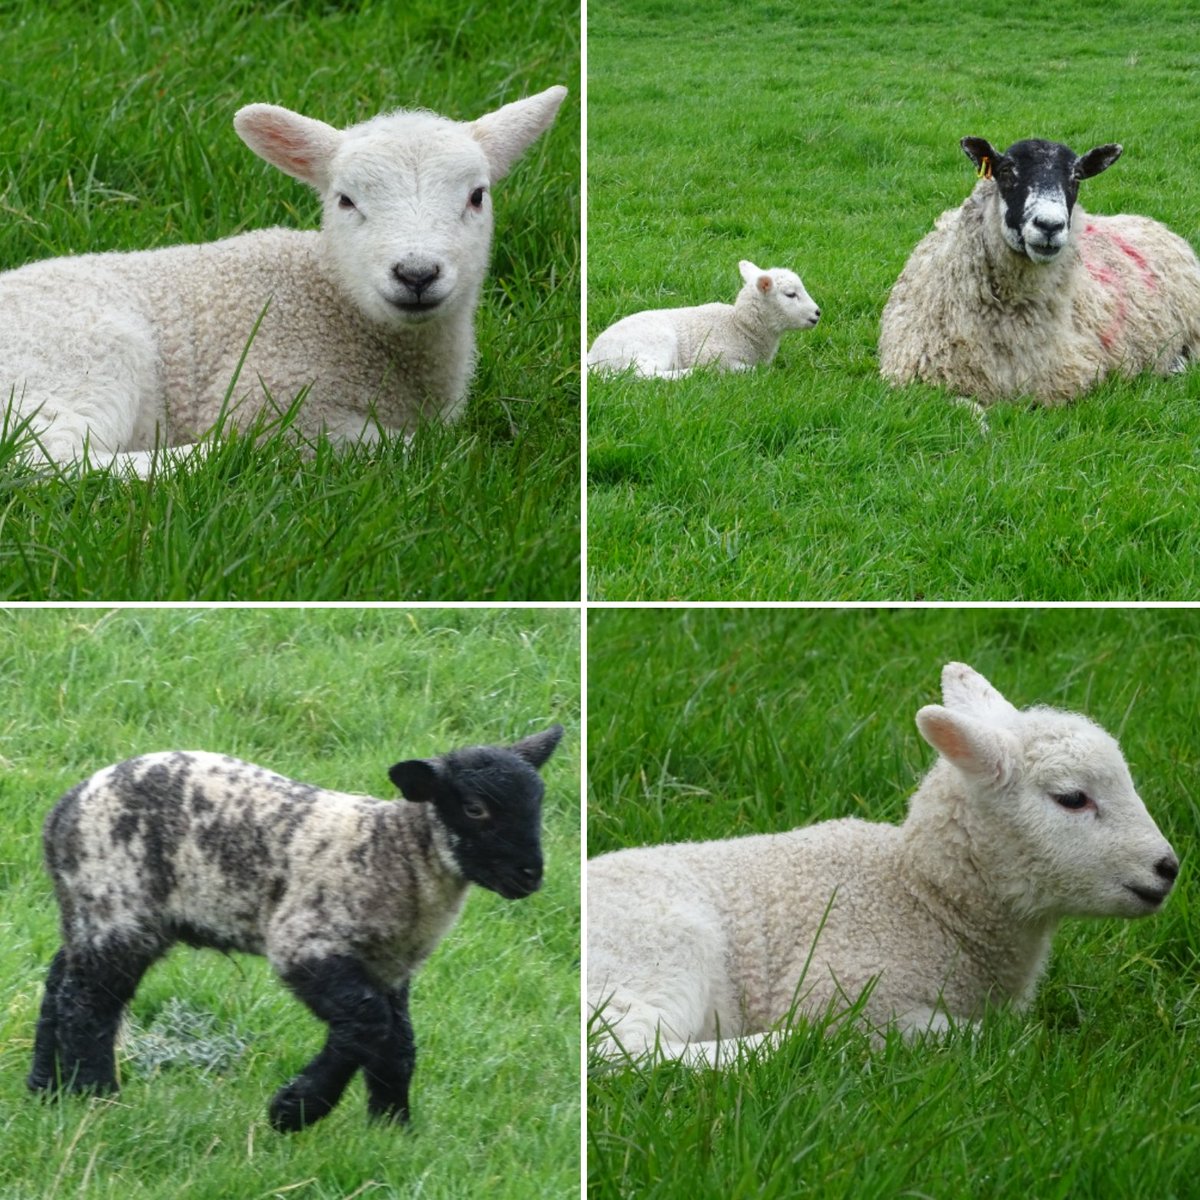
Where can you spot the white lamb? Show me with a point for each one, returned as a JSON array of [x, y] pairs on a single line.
[[1025, 818], [669, 343], [1018, 292], [374, 315]]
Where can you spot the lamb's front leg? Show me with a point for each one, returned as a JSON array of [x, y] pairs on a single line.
[[388, 1076], [360, 1017]]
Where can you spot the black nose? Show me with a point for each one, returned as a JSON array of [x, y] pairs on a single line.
[[817, 312], [416, 278], [1167, 868], [1049, 226]]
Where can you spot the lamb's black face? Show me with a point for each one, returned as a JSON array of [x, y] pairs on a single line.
[[489, 799], [1038, 183], [495, 816]]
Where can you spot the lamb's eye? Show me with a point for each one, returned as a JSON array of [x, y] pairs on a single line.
[[477, 197], [476, 810], [344, 201], [1072, 800]]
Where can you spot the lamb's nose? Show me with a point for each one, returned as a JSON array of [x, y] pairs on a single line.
[[417, 277], [1050, 225], [1167, 868], [816, 314]]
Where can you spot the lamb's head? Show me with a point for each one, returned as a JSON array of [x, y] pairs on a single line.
[[1036, 184], [488, 799], [408, 214], [777, 297], [1047, 805]]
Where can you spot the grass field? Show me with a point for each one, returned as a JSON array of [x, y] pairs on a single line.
[[710, 723], [335, 697], [118, 134], [824, 137]]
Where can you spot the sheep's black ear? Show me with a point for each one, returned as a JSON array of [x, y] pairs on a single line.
[[538, 747], [979, 150], [1097, 160], [417, 779]]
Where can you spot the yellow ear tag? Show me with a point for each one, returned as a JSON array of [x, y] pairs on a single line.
[[985, 168]]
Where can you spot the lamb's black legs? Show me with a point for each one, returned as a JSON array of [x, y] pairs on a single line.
[[86, 993], [369, 1027]]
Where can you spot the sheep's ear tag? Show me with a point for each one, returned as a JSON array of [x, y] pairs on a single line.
[[985, 168]]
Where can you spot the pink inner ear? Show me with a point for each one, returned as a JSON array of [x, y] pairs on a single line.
[[764, 283], [285, 144]]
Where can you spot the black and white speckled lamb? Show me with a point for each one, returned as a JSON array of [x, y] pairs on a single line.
[[345, 895]]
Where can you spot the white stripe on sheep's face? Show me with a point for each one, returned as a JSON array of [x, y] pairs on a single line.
[[488, 799], [1037, 183], [407, 206]]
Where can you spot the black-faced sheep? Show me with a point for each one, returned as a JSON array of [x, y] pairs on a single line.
[[345, 895], [1018, 292]]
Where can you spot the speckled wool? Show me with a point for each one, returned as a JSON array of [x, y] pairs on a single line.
[[373, 316], [668, 343], [971, 314], [941, 917]]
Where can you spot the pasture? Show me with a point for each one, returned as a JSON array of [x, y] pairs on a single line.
[[824, 138], [118, 135], [332, 697], [714, 723]]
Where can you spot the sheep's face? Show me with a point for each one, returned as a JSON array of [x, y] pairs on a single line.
[[408, 218], [408, 214], [489, 801], [779, 295], [1037, 183], [1050, 809]]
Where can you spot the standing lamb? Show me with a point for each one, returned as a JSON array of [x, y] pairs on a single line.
[[123, 352], [345, 895], [1026, 817], [668, 343], [1018, 292]]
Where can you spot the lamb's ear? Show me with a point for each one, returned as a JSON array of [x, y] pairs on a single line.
[[981, 152], [976, 749], [538, 747], [964, 688], [417, 779], [298, 146], [509, 131], [1097, 160], [749, 272]]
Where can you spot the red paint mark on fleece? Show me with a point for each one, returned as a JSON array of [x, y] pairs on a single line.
[[1107, 277]]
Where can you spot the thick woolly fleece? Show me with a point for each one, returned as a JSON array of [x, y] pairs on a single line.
[[345, 895], [371, 318], [971, 314], [668, 343], [941, 917]]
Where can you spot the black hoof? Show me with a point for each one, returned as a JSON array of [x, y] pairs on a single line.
[[293, 1107]]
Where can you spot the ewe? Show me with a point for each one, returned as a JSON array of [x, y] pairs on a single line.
[[669, 343], [1025, 818], [346, 896], [1018, 292], [123, 352]]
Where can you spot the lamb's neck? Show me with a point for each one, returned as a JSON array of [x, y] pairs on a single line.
[[761, 339], [954, 880], [412, 831]]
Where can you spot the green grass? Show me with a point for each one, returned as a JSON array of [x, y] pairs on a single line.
[[710, 723], [824, 137], [118, 135], [331, 696]]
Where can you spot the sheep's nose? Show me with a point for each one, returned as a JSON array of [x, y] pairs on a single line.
[[1167, 868], [1050, 225], [816, 314], [416, 277], [532, 874]]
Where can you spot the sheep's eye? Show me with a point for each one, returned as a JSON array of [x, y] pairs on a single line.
[[477, 197], [1072, 800], [476, 810], [344, 201]]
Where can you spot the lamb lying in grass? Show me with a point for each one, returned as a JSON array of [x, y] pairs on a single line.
[[668, 343], [345, 895], [1027, 817], [121, 352]]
